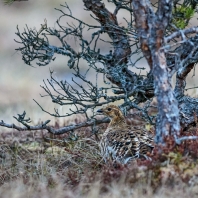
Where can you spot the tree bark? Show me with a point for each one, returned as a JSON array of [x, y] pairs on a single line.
[[151, 28]]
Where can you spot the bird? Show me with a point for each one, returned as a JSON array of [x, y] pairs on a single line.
[[120, 142]]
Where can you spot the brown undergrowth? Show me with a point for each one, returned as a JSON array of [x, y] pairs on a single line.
[[38, 164]]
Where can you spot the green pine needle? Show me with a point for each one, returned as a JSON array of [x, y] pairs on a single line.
[[8, 2]]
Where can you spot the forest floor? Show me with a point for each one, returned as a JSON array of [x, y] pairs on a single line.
[[38, 164]]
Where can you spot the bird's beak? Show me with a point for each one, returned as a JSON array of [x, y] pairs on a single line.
[[99, 111]]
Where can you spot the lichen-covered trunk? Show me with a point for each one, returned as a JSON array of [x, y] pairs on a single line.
[[151, 27], [168, 114]]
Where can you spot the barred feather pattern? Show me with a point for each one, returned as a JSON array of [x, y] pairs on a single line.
[[122, 143]]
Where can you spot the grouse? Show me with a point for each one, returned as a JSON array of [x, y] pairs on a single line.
[[121, 142]]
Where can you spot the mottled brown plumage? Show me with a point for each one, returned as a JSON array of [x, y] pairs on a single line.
[[121, 142]]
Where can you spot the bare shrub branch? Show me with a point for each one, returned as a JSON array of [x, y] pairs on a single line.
[[151, 29]]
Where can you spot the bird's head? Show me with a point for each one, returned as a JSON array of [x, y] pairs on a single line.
[[111, 111]]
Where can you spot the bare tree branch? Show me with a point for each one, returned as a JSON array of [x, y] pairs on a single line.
[[180, 33], [50, 129], [179, 140], [145, 30]]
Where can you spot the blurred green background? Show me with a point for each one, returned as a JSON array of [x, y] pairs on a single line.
[[19, 83]]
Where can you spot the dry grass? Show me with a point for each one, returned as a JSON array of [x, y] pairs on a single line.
[[37, 164]]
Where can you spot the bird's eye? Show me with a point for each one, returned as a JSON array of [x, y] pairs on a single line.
[[109, 109]]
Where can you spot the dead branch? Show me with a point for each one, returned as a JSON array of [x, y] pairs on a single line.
[[185, 138], [44, 126], [180, 33], [145, 30]]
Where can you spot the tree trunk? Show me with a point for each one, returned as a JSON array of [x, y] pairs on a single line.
[[151, 28], [168, 113]]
